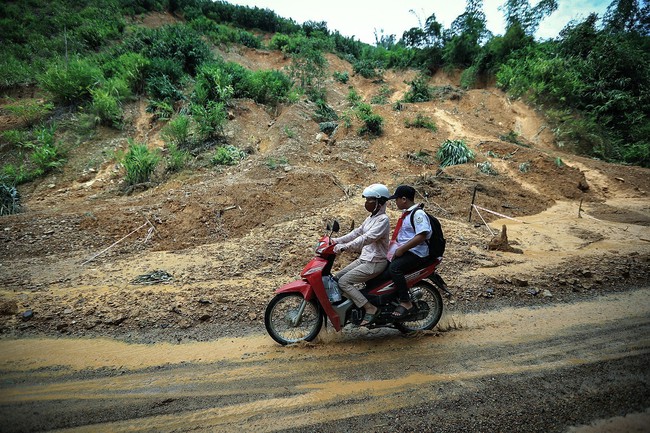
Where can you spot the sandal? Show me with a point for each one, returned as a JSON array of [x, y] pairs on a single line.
[[400, 312], [369, 319]]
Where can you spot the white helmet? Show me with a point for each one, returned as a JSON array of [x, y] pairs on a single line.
[[376, 190]]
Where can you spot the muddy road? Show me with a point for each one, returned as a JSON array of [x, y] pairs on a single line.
[[542, 369]]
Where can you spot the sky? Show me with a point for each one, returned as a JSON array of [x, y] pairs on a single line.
[[361, 18]]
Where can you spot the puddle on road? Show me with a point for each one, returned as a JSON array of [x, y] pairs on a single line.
[[513, 324]]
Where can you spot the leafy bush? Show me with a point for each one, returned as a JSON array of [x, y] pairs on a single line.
[[228, 155], [130, 67], [139, 163], [176, 158], [177, 131], [9, 199], [212, 83], [210, 118], [421, 121], [72, 82], [469, 77], [373, 123], [30, 111], [353, 97], [341, 77], [420, 90], [46, 154], [13, 174], [105, 107], [486, 167], [367, 68], [381, 97], [14, 72], [324, 113], [453, 152]]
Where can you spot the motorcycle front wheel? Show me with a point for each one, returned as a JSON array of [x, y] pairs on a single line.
[[289, 318], [427, 297]]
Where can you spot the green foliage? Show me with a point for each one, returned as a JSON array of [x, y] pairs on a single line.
[[559, 162], [30, 111], [341, 77], [381, 97], [176, 158], [324, 113], [486, 167], [9, 200], [353, 97], [130, 67], [454, 152], [524, 167], [373, 123], [228, 155], [17, 174], [289, 132], [177, 132], [105, 107], [210, 119], [421, 121], [273, 163], [72, 82], [420, 91], [14, 72], [139, 163], [212, 83], [512, 137], [46, 154], [367, 68], [469, 77]]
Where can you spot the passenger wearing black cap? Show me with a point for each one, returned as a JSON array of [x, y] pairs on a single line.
[[408, 249]]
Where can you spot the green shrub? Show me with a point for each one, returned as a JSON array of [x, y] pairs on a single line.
[[486, 167], [176, 158], [273, 163], [524, 167], [14, 72], [105, 107], [367, 68], [177, 131], [30, 111], [16, 175], [139, 163], [130, 67], [15, 137], [373, 123], [324, 113], [353, 97], [46, 154], [469, 77], [210, 118], [212, 83], [341, 77], [9, 199], [228, 155], [381, 97], [70, 83], [454, 152], [420, 90], [421, 121]]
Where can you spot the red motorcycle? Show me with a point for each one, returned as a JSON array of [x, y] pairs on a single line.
[[299, 309]]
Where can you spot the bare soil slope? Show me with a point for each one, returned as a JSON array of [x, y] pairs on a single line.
[[227, 237]]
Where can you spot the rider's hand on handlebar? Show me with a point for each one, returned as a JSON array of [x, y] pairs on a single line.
[[339, 248]]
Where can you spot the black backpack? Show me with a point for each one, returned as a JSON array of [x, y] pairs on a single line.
[[437, 241]]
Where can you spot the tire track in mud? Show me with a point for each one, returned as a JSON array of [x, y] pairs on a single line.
[[252, 384]]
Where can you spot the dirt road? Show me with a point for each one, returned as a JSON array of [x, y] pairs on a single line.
[[519, 369]]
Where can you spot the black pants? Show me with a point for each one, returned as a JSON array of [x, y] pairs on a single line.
[[398, 269]]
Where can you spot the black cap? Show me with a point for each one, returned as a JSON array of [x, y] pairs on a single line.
[[404, 191]]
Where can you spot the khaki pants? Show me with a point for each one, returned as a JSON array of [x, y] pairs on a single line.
[[357, 272]]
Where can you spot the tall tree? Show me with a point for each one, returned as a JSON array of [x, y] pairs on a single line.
[[521, 13]]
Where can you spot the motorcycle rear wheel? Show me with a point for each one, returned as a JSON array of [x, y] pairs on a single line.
[[424, 292], [282, 321]]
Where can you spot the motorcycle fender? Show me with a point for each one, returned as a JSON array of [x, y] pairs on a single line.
[[298, 286]]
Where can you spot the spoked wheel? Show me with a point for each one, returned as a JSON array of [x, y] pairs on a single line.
[[289, 318], [427, 297]]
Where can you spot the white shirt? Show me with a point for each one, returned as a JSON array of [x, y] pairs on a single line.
[[408, 232]]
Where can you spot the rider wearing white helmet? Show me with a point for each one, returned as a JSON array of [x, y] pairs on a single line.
[[371, 238]]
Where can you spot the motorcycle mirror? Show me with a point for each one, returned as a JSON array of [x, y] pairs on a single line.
[[335, 226]]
